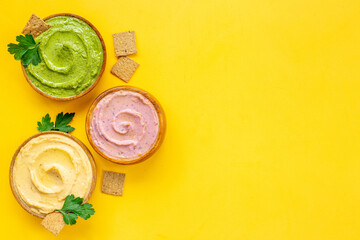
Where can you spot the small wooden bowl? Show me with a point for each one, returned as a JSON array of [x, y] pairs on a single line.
[[97, 79], [13, 187], [162, 125]]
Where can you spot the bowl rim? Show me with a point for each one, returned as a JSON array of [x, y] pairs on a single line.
[[97, 79], [14, 190], [159, 111]]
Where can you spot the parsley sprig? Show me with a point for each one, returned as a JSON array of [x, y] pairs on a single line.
[[74, 207], [27, 50], [61, 123]]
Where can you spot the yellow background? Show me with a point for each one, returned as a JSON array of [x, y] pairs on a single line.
[[262, 103]]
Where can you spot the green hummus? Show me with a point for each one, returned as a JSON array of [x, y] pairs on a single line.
[[71, 58]]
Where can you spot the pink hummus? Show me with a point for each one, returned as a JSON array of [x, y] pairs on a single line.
[[124, 125]]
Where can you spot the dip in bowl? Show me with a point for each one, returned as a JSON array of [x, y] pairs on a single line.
[[73, 58], [125, 125], [49, 166]]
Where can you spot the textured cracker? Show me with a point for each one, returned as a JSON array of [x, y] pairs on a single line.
[[113, 183], [124, 68], [53, 222], [35, 26], [124, 43]]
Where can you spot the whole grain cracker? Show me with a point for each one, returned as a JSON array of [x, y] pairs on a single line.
[[35, 26], [124, 68], [53, 222], [124, 43], [113, 183]]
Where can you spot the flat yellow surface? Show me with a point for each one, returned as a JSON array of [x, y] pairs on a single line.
[[262, 100]]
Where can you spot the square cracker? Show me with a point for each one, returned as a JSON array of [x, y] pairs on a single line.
[[53, 222], [124, 43], [35, 26], [113, 183], [124, 68]]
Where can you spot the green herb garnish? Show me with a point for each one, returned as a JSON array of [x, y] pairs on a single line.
[[27, 50], [45, 124], [73, 208], [61, 123]]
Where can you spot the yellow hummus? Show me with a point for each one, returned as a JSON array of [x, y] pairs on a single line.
[[48, 168]]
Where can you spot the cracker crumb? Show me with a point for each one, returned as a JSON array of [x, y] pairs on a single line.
[[113, 183], [53, 222], [35, 26], [124, 43], [124, 68]]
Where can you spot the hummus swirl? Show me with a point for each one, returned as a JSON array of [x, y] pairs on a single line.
[[48, 168], [124, 125], [71, 58]]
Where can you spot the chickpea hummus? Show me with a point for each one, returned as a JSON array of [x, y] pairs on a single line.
[[48, 168], [124, 125]]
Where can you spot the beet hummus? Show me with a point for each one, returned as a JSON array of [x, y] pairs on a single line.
[[124, 125]]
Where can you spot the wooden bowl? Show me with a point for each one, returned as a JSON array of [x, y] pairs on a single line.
[[13, 187], [162, 125], [97, 79]]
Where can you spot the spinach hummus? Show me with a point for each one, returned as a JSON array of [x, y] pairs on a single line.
[[71, 58]]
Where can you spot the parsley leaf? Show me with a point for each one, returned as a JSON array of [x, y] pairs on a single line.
[[31, 56], [45, 124], [61, 123], [26, 41], [73, 208], [69, 218], [17, 50], [27, 50], [85, 211]]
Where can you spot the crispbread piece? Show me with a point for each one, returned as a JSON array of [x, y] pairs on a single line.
[[53, 222], [124, 43], [124, 68], [35, 26], [113, 183]]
